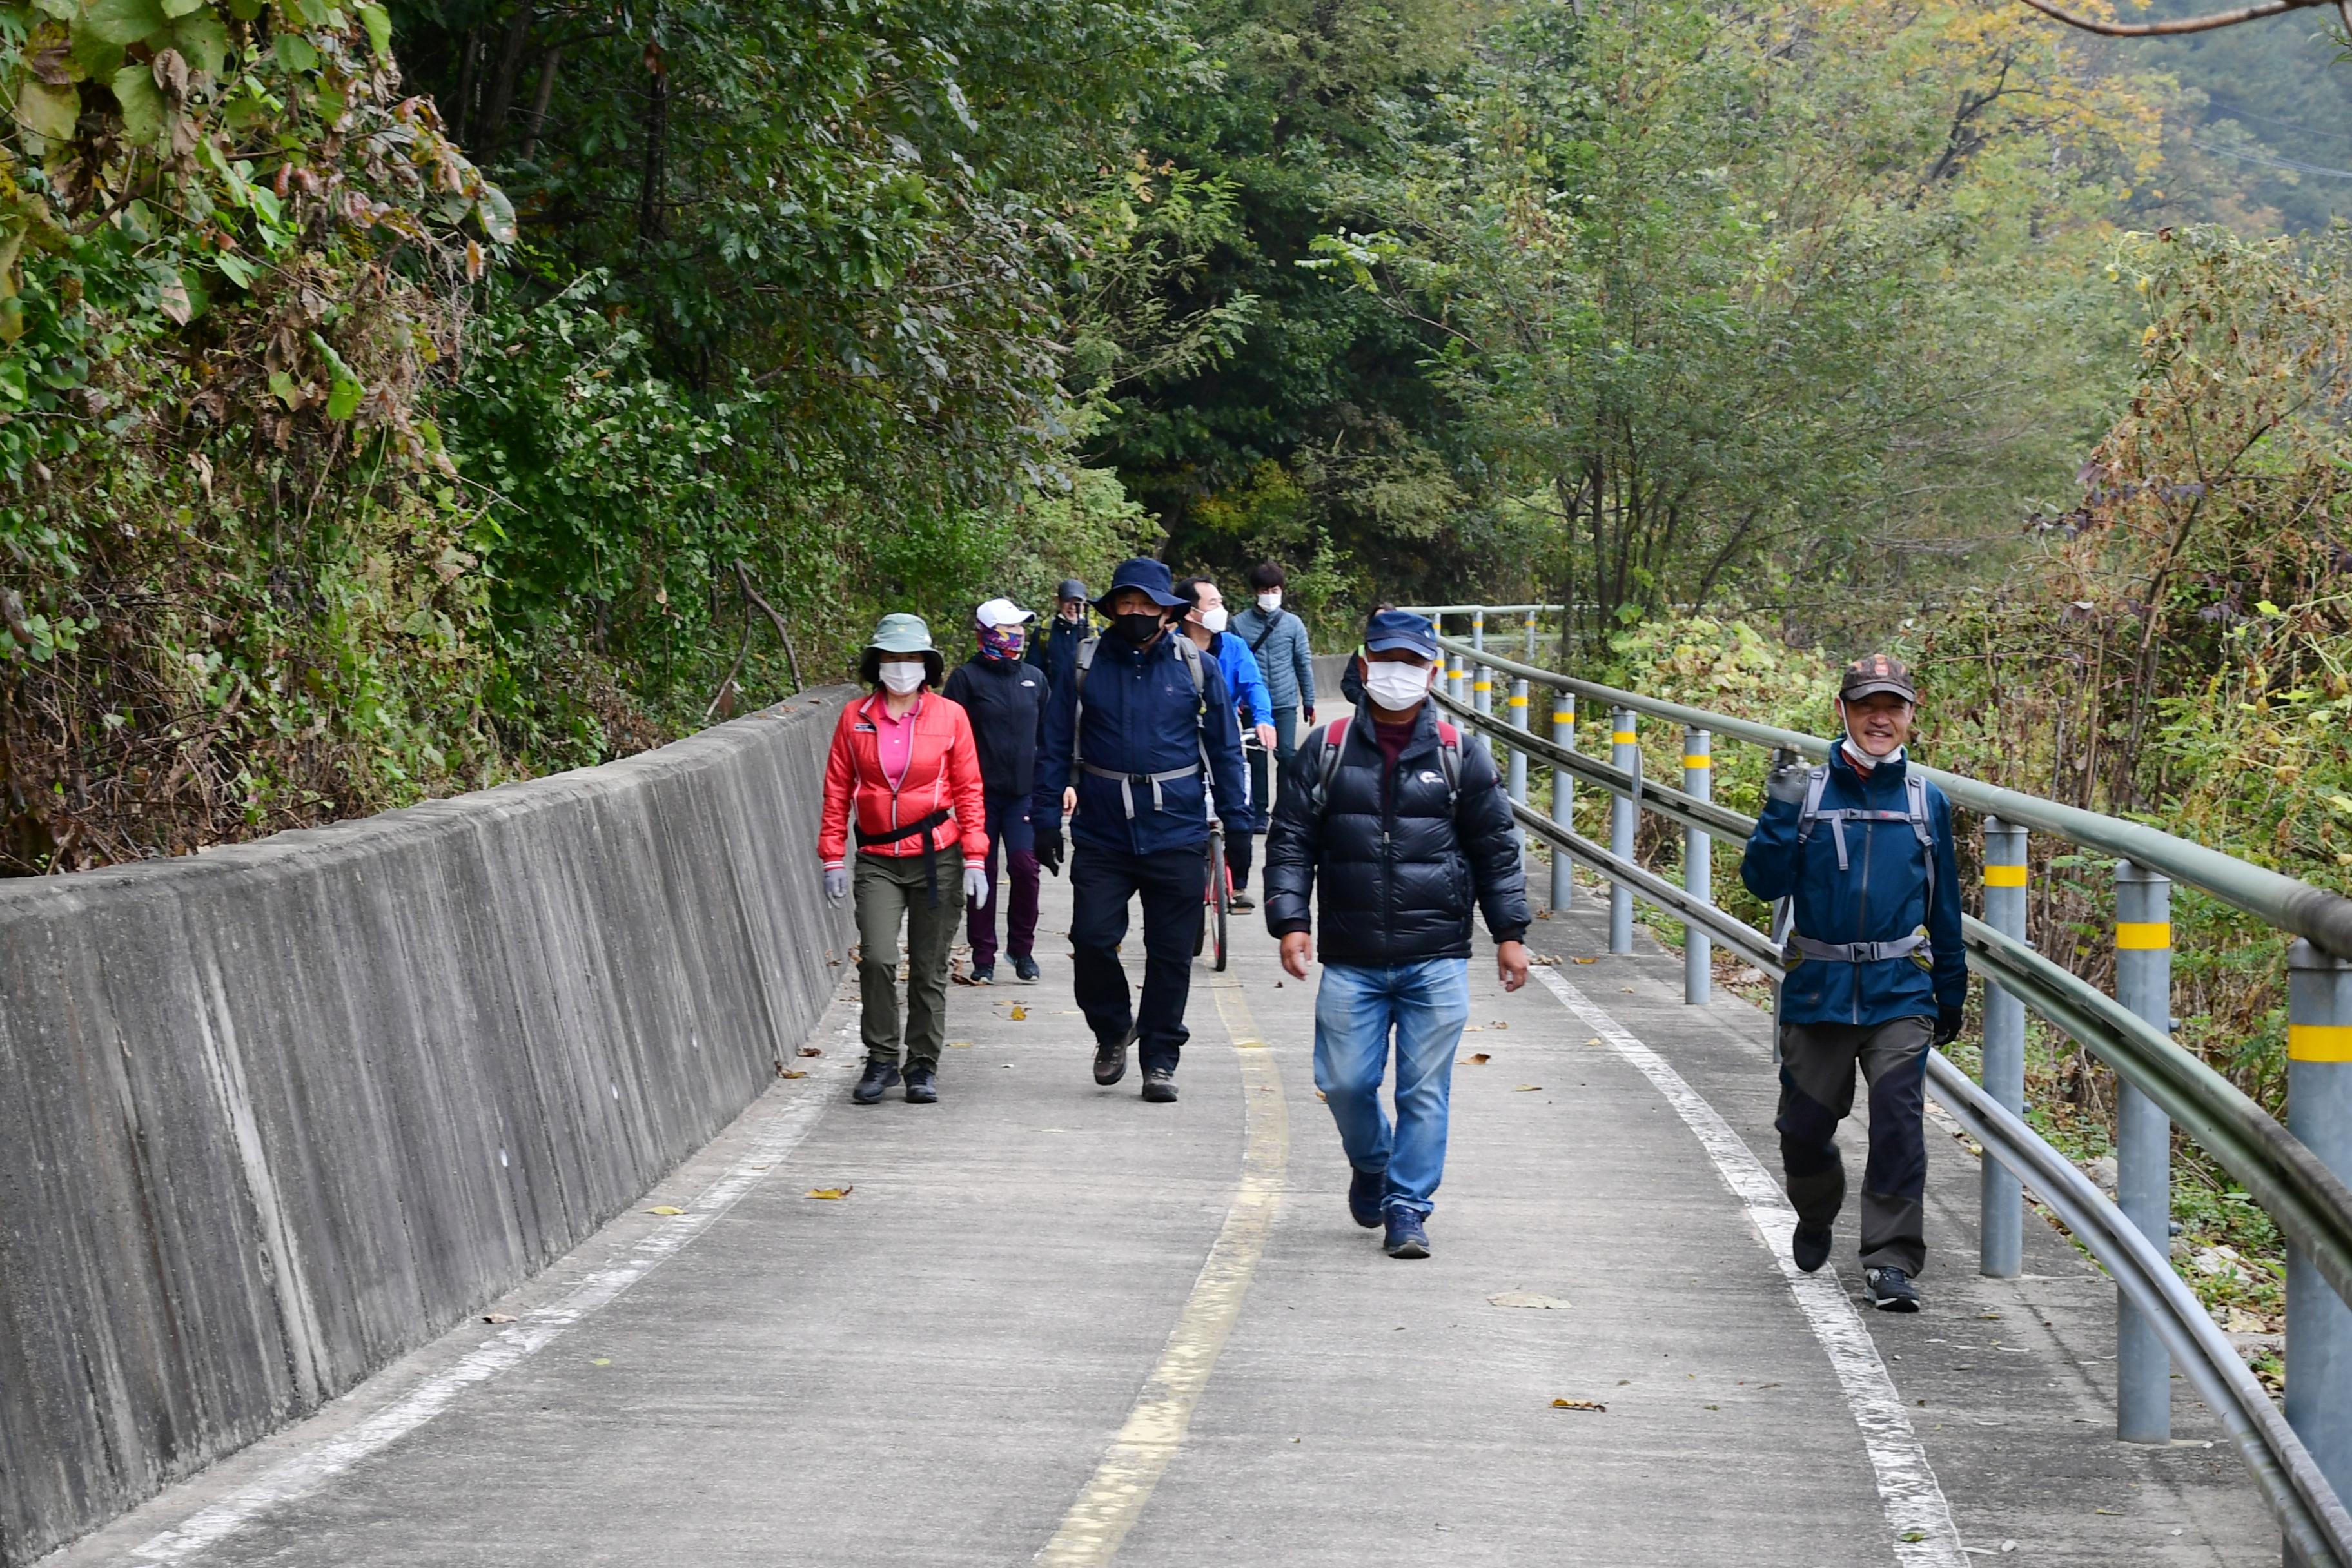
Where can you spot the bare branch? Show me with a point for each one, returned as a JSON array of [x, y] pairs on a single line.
[[2186, 23]]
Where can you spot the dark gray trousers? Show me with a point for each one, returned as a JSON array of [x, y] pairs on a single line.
[[1817, 1068]]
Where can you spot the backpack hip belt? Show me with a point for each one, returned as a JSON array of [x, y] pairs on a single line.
[[1126, 783], [1800, 948]]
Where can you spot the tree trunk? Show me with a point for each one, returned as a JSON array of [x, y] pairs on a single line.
[[502, 84], [540, 99]]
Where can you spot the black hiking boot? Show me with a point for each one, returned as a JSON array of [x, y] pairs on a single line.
[[1811, 1246], [1110, 1061], [923, 1086], [878, 1077]]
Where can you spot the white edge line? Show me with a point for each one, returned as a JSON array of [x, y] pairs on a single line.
[[304, 1472], [1925, 1536]]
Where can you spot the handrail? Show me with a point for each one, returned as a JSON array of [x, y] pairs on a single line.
[[2323, 918], [2310, 1203], [2315, 1522]]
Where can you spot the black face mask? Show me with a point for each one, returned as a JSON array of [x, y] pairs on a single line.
[[1137, 629]]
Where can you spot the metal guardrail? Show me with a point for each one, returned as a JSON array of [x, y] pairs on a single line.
[[2301, 1460]]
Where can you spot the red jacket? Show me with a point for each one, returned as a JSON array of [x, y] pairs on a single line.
[[942, 769]]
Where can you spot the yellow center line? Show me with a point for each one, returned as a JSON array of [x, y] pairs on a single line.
[[1162, 1414]]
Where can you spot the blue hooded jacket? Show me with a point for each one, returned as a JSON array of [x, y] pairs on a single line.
[[1882, 896], [1141, 717], [1242, 676]]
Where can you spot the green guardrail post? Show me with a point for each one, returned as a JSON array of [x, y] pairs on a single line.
[[1624, 753], [2142, 1147], [2319, 1112], [1563, 799], [2000, 1197], [1698, 867]]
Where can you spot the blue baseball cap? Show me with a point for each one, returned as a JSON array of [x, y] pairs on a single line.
[[1400, 629], [1141, 571]]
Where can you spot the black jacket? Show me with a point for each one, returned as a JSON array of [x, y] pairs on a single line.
[[1397, 886], [1005, 700], [1053, 647]]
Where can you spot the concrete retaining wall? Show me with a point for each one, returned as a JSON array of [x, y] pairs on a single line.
[[273, 1116]]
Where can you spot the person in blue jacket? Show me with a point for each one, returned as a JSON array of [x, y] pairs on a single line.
[[1205, 622], [1129, 739], [1861, 848], [1055, 649]]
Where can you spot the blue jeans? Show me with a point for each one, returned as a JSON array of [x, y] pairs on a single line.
[[1426, 1004]]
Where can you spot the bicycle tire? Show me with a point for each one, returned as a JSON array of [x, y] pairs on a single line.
[[1217, 859], [1223, 881]]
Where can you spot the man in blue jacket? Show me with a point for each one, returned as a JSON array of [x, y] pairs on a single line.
[[1132, 741], [1404, 828], [1055, 649], [1862, 847], [1205, 622]]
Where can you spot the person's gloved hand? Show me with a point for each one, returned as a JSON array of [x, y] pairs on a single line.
[[975, 884], [1049, 849], [1948, 1027], [1787, 781], [837, 883]]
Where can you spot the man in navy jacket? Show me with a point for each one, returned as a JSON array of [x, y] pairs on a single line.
[[1132, 741], [1862, 847], [1406, 829]]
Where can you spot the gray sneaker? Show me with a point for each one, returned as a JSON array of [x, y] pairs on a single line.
[[1159, 1087], [1891, 1290]]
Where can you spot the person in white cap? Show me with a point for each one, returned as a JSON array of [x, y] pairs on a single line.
[[1006, 697]]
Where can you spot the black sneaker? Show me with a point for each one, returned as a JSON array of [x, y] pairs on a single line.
[[1025, 967], [1110, 1061], [1240, 901], [1891, 1290], [1811, 1246], [982, 975], [879, 1076], [1405, 1237], [923, 1086], [1160, 1085], [1364, 1188]]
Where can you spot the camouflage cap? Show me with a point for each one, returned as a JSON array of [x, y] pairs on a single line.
[[1877, 672]]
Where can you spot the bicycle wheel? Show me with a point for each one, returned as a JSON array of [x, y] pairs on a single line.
[[1208, 896], [1220, 882]]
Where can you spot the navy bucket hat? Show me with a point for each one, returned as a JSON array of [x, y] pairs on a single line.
[[1141, 571]]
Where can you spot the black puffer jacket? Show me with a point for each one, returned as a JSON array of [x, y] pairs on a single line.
[[1397, 885], [1005, 700]]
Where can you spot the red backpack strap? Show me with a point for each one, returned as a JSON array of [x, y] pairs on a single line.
[[1447, 735], [1335, 733]]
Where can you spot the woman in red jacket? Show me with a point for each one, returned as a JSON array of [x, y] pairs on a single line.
[[903, 763]]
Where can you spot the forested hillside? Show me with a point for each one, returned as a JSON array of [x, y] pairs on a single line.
[[398, 398]]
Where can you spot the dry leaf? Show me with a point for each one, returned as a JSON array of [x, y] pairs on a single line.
[[1498, 1024], [1524, 1299], [1592, 1404], [665, 1208], [497, 1317], [1019, 1013], [958, 1044], [602, 1360], [1477, 1059], [1321, 1096], [811, 1050], [1473, 1028], [789, 1072], [829, 1192], [1528, 1089], [1584, 960]]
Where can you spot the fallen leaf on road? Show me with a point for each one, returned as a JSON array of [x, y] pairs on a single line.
[[602, 1360], [1478, 1059], [1321, 1096], [789, 1072], [665, 1208], [811, 1050], [829, 1192], [1473, 1028], [1528, 1089], [958, 1044], [1592, 1404], [1593, 1041], [1019, 1013], [1911, 1534], [1498, 1023], [1584, 960], [1524, 1299], [497, 1317]]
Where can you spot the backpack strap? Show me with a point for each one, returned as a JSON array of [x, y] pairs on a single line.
[[1335, 741], [1078, 714]]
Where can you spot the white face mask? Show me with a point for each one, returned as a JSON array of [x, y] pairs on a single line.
[[1392, 686], [901, 677], [1213, 621], [1270, 601]]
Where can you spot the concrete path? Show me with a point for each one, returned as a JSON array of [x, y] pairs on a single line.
[[1050, 1323]]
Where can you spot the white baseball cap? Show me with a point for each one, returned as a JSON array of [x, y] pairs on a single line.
[[1002, 613]]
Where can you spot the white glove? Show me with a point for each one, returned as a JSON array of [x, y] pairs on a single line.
[[837, 883], [975, 885]]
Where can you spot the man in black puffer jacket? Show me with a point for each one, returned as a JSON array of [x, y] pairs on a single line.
[[1408, 829]]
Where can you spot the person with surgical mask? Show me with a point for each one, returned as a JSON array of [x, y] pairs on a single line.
[[1400, 829], [1205, 622], [1276, 639], [1004, 694], [903, 780]]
